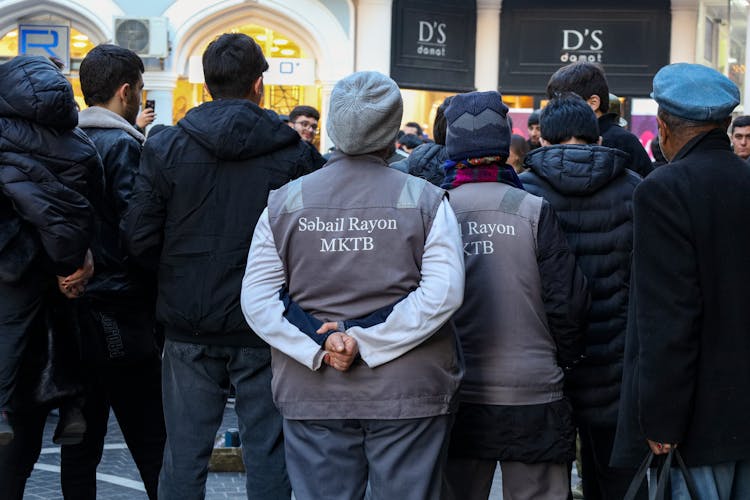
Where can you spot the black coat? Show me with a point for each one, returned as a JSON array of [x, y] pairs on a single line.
[[426, 161], [687, 375], [614, 136], [591, 191], [200, 190], [117, 278], [47, 168]]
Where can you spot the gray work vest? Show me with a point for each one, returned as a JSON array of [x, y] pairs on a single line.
[[509, 352], [351, 238]]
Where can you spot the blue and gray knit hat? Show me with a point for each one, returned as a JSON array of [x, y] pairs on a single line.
[[477, 126]]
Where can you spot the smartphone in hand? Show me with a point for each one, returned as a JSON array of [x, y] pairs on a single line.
[[150, 103]]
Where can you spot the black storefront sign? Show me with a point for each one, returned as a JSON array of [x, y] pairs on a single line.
[[631, 43], [433, 44]]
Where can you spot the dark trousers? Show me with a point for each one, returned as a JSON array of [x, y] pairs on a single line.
[[133, 391], [195, 381], [338, 459], [17, 458], [19, 316], [600, 481]]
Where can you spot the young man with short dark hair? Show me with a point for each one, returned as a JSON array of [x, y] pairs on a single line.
[[199, 192], [739, 133], [591, 190], [116, 315], [304, 119], [589, 81]]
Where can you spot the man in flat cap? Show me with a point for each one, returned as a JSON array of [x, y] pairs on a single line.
[[687, 374], [365, 404]]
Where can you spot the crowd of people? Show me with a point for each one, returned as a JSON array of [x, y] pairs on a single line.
[[396, 317]]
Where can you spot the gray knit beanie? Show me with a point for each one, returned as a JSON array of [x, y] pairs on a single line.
[[365, 113]]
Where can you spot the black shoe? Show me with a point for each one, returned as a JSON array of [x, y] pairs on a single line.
[[71, 427], [6, 430]]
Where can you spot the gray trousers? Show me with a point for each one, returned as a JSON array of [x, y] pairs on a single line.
[[471, 479], [336, 459]]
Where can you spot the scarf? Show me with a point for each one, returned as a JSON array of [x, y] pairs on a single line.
[[488, 169]]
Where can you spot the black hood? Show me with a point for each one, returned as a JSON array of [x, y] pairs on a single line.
[[577, 168], [32, 88], [426, 161], [237, 129]]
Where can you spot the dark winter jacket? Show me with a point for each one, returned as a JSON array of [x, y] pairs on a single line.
[[591, 191], [687, 376], [47, 168], [426, 161], [614, 136], [119, 145], [201, 187]]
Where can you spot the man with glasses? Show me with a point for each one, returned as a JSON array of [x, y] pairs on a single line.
[[304, 119]]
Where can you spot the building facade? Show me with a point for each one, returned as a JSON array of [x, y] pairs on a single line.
[[432, 48]]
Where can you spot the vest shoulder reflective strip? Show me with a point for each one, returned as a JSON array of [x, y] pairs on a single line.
[[293, 197], [512, 200], [411, 192]]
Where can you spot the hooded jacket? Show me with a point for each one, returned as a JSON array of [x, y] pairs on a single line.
[[426, 161], [592, 191], [47, 168], [119, 145], [199, 192]]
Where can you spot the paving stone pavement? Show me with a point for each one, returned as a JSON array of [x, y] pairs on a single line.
[[118, 479]]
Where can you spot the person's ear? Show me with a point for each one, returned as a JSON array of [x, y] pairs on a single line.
[[594, 102], [258, 90], [123, 92], [544, 142], [599, 142]]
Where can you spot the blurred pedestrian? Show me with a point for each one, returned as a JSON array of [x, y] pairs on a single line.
[[427, 159], [686, 372], [532, 125], [740, 134], [591, 189], [198, 195], [522, 321], [366, 406], [519, 148]]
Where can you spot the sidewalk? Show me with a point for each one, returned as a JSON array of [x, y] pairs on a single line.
[[118, 479]]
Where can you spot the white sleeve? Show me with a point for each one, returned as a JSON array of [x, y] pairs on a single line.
[[263, 310], [426, 309]]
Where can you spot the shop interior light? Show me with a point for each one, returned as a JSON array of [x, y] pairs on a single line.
[[280, 41], [275, 49], [12, 34], [80, 45], [262, 38], [81, 38], [287, 52]]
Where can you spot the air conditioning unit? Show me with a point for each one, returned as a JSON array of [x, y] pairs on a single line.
[[146, 36]]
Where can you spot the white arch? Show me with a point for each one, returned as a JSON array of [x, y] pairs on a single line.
[[93, 17], [308, 22]]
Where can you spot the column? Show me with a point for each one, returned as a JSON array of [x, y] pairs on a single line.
[[487, 64], [684, 31], [373, 36], [159, 86]]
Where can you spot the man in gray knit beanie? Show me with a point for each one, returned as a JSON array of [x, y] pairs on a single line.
[[366, 402]]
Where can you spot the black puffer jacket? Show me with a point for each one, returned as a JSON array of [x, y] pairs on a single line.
[[200, 190], [426, 161], [592, 191], [47, 167]]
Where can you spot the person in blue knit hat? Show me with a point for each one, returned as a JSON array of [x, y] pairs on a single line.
[[687, 375], [521, 321]]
